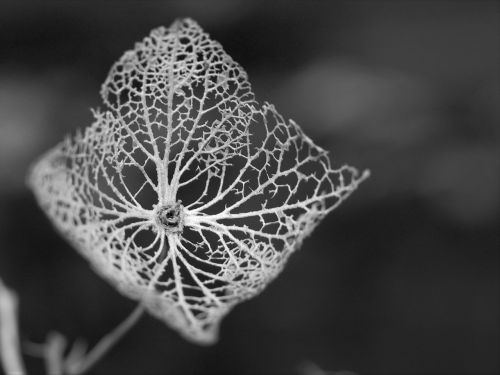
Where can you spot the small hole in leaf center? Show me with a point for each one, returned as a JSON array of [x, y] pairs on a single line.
[[170, 217]]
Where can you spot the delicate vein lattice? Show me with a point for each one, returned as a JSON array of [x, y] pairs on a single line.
[[186, 193]]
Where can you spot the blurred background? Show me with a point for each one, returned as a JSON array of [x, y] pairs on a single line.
[[403, 278]]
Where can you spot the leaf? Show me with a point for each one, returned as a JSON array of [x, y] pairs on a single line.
[[186, 193]]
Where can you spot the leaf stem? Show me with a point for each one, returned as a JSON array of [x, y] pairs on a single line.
[[107, 342]]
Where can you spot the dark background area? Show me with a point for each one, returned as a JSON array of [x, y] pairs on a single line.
[[403, 278]]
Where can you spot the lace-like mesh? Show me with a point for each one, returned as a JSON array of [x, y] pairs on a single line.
[[185, 192]]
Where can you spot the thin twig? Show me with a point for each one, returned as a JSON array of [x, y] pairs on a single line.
[[10, 350], [106, 343]]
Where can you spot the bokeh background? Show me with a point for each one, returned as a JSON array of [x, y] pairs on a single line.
[[401, 279]]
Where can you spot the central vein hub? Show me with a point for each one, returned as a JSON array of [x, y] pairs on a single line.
[[170, 217]]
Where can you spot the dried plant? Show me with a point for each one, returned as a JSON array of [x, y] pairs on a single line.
[[186, 193]]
